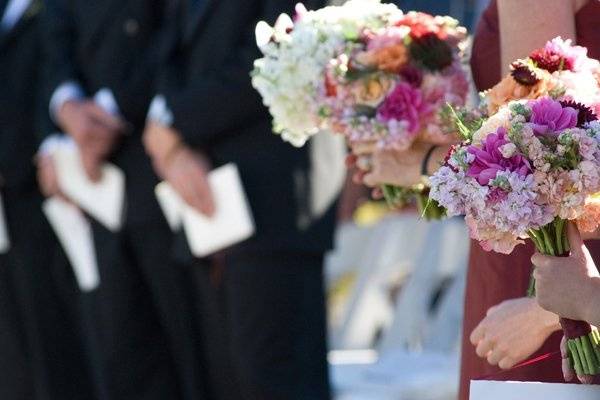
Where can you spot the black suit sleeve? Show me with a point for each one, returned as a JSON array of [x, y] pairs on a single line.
[[224, 100], [133, 94], [58, 44], [58, 41]]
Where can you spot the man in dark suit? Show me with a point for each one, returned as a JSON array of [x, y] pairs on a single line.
[[41, 353], [144, 349], [270, 318]]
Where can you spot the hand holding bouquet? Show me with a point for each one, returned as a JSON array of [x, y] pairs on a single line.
[[366, 70], [532, 166]]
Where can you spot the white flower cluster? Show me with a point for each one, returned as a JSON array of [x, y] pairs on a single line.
[[290, 76]]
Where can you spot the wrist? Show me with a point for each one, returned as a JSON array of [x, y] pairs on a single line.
[[64, 112], [549, 321], [433, 159], [590, 306]]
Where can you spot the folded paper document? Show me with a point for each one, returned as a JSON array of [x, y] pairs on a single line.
[[231, 224], [75, 236], [491, 390]]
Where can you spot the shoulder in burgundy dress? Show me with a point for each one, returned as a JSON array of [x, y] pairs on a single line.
[[492, 277]]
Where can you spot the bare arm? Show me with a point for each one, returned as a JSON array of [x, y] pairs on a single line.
[[527, 24]]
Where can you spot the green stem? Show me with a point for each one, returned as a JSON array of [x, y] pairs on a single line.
[[537, 240], [575, 355], [595, 343], [581, 353], [389, 194], [423, 208], [590, 356], [548, 242], [566, 244], [559, 225]]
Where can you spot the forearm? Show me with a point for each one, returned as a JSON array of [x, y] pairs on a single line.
[[527, 24]]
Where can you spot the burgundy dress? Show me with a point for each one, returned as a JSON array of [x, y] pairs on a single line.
[[492, 277]]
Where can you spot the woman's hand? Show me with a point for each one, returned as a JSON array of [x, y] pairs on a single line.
[[567, 368], [569, 286], [512, 331], [399, 168]]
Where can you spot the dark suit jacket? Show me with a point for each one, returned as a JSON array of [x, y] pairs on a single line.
[[114, 44], [207, 84], [19, 61]]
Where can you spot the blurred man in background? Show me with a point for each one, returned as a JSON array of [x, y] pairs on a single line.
[[263, 298], [145, 349], [41, 350]]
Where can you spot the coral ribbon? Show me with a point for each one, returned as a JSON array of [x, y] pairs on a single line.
[[536, 360]]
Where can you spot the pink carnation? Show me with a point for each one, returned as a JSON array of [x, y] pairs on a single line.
[[572, 55], [404, 104]]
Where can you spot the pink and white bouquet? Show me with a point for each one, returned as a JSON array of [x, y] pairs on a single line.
[[366, 70], [532, 166], [536, 166], [291, 75], [391, 85]]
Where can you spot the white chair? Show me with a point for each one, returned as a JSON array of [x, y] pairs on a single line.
[[418, 356], [387, 253]]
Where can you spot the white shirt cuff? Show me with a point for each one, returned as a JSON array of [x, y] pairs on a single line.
[[159, 111], [52, 142], [69, 90], [106, 100]]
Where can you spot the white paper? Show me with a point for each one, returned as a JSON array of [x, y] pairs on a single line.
[[75, 235], [103, 200], [490, 390], [4, 237], [231, 224]]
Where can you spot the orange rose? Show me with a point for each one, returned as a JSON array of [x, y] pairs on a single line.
[[508, 90], [590, 219], [389, 59], [372, 91]]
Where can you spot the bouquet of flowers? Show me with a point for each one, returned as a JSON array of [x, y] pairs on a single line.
[[366, 70], [531, 167]]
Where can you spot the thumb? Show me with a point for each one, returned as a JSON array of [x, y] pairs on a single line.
[[575, 240]]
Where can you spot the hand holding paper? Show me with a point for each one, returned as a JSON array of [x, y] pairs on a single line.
[[187, 172], [95, 126], [231, 223], [104, 200], [64, 170]]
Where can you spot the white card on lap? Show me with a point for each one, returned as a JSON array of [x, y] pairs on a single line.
[[491, 390], [231, 224], [103, 200], [4, 237], [75, 235]]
